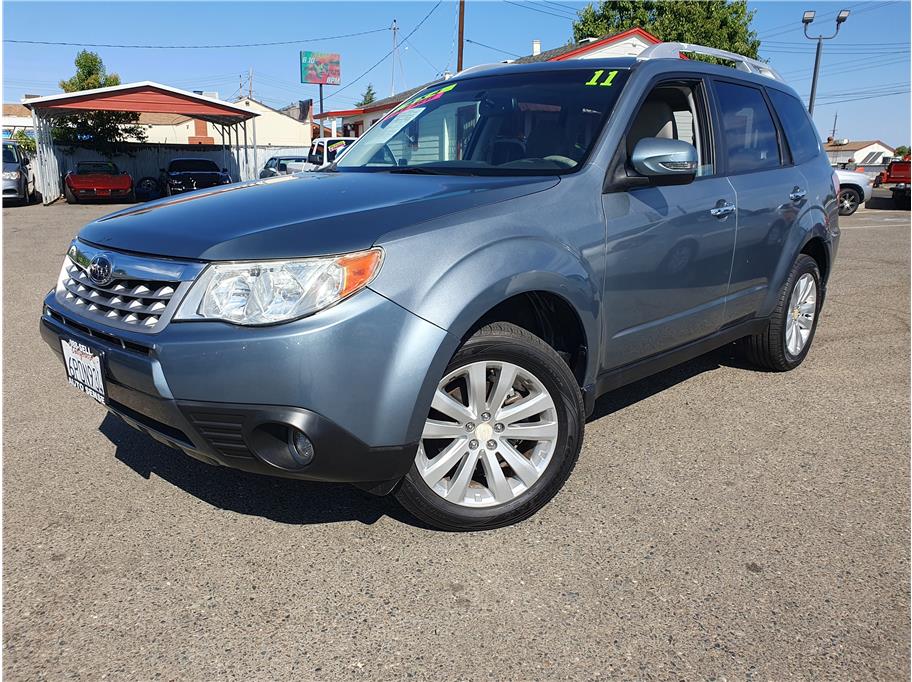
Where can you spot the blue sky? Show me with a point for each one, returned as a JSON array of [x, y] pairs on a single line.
[[864, 77]]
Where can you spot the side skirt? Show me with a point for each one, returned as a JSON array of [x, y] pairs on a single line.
[[627, 374]]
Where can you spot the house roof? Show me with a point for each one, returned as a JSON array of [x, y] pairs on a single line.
[[557, 54], [16, 110], [142, 97], [854, 146], [572, 50]]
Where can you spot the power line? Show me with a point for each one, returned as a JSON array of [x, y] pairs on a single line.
[[384, 57], [490, 47], [196, 47], [537, 9], [858, 99], [437, 72]]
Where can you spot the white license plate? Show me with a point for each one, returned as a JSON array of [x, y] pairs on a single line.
[[83, 368]]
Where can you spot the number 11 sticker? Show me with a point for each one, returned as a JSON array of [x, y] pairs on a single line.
[[598, 74]]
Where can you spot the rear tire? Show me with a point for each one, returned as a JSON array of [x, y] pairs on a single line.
[[70, 197], [797, 312], [849, 201], [496, 479]]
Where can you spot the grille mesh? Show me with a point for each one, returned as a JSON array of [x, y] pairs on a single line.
[[131, 302]]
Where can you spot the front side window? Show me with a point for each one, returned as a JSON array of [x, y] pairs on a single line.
[[536, 123], [193, 166], [802, 137], [751, 143]]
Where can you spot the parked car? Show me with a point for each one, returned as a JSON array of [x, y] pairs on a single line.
[[854, 190], [186, 175], [896, 178], [97, 180], [283, 165], [324, 150], [434, 314], [18, 179]]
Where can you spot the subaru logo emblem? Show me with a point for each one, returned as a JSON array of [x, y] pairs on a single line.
[[101, 270]]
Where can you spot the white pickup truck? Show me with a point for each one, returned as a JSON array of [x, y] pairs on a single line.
[[324, 150]]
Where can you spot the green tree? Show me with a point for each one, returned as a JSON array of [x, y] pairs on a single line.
[[24, 141], [100, 130], [723, 24], [901, 150], [367, 97]]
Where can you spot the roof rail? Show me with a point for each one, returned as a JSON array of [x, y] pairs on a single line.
[[742, 63]]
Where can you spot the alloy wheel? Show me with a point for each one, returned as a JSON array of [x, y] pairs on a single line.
[[491, 434], [799, 320]]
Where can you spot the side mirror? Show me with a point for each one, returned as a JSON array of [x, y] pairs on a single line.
[[25, 161], [665, 162], [314, 158]]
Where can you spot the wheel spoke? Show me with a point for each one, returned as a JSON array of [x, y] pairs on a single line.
[[807, 308], [462, 477], [445, 460], [497, 482], [477, 384], [452, 408], [804, 322], [528, 407], [438, 429], [505, 379], [524, 469], [545, 430]]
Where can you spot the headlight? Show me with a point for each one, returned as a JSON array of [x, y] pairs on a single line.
[[276, 291], [10, 175]]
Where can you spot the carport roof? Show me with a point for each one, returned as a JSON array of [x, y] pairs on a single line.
[[145, 97]]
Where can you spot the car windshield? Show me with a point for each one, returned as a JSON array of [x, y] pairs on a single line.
[[9, 154], [519, 124], [87, 168], [193, 165]]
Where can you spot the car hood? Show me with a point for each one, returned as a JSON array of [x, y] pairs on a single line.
[[10, 167], [297, 215]]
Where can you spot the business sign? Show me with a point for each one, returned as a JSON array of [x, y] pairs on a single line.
[[321, 68]]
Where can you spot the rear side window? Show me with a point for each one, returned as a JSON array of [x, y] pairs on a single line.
[[751, 143], [802, 137]]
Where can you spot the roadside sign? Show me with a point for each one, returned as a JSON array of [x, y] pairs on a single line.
[[321, 68]]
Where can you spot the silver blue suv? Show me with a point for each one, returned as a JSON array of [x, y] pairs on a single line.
[[435, 314]]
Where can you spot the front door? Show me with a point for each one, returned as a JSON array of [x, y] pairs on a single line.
[[669, 249]]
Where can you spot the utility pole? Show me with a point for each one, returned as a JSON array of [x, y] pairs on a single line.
[[250, 83], [835, 118], [395, 29], [461, 32], [807, 19]]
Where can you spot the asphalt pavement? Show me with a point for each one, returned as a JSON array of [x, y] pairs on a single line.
[[722, 523]]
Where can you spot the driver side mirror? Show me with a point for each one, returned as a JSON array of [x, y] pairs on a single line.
[[314, 158], [25, 161], [664, 161], [283, 168]]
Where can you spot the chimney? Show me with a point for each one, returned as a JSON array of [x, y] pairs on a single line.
[[536, 47]]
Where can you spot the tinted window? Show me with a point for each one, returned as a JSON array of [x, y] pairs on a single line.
[[800, 132], [192, 165], [544, 122], [747, 125], [10, 154]]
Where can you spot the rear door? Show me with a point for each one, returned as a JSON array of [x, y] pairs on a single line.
[[771, 191], [669, 249]]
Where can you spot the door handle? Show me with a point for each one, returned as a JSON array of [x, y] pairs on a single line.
[[797, 194], [722, 209]]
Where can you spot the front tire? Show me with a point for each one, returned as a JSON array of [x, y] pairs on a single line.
[[849, 200], [503, 434], [788, 337], [70, 197]]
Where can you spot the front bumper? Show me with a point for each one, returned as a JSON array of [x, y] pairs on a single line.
[[351, 378], [13, 189]]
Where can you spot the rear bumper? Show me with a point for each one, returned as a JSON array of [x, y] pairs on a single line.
[[352, 379]]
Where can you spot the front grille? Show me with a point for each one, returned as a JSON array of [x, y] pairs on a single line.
[[224, 432], [139, 303]]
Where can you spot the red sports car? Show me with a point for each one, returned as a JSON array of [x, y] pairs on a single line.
[[97, 180]]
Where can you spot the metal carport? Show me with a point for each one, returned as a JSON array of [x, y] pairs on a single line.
[[139, 98]]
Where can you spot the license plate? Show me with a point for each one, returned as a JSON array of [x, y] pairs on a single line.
[[103, 192], [83, 368]]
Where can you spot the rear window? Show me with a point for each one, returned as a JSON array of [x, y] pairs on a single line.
[[800, 133], [751, 143], [193, 165], [88, 168]]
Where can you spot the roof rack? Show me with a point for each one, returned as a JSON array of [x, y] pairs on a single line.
[[742, 63]]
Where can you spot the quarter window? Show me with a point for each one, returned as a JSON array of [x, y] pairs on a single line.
[[751, 142], [803, 140]]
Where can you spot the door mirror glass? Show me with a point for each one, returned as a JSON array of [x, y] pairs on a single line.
[[665, 161]]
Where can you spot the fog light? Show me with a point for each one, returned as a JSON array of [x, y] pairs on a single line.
[[300, 447]]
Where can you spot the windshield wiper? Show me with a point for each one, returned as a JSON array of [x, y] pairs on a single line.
[[421, 170]]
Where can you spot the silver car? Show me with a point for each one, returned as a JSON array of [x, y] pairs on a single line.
[[18, 180]]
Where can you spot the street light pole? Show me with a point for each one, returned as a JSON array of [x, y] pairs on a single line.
[[807, 19]]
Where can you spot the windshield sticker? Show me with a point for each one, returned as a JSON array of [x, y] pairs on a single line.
[[423, 99], [403, 119], [598, 74], [337, 145]]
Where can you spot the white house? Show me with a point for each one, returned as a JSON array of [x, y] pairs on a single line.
[[861, 152]]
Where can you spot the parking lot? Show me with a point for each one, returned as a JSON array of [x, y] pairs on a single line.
[[722, 523]]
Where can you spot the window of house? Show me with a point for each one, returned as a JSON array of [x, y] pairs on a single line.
[[751, 142]]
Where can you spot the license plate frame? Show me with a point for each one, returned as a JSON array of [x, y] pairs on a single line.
[[84, 367]]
